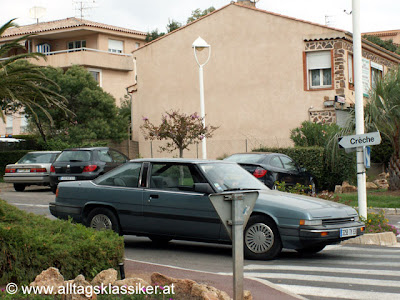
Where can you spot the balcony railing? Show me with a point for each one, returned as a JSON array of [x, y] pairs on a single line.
[[87, 57]]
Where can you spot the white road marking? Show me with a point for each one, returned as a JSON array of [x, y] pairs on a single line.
[[33, 205]]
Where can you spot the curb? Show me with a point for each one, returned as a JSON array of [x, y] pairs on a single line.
[[379, 239], [388, 211]]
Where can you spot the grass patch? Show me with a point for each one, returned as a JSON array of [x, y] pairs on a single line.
[[31, 243], [380, 199]]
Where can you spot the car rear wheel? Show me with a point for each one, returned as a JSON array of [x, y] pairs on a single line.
[[261, 239], [103, 219], [311, 250], [19, 187]]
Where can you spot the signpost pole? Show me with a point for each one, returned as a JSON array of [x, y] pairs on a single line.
[[359, 108], [237, 241]]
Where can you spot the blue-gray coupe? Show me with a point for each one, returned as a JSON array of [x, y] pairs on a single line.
[[167, 199]]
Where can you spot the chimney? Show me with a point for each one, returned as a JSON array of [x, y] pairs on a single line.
[[247, 3]]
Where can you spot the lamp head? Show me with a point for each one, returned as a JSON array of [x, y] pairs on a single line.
[[199, 44]]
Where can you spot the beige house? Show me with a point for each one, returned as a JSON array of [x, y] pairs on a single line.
[[266, 75], [104, 50], [393, 35]]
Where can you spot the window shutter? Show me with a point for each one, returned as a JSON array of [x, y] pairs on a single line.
[[319, 60], [116, 45]]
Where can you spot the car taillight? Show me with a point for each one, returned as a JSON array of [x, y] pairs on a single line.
[[38, 170], [89, 168], [259, 172], [52, 169], [57, 192], [11, 170]]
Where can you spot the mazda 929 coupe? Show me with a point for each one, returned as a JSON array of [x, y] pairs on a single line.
[[167, 199]]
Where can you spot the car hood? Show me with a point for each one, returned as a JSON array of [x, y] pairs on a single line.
[[315, 207]]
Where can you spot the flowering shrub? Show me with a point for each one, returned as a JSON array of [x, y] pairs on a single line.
[[179, 129], [377, 222]]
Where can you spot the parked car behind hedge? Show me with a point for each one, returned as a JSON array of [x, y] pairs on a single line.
[[271, 168]]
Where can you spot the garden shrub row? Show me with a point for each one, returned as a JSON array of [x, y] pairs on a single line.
[[318, 162], [10, 157], [31, 243]]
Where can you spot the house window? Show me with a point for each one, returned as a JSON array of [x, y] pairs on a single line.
[[9, 124], [350, 68], [97, 75], [319, 69], [77, 44], [43, 48], [376, 74], [137, 45], [115, 46], [24, 124]]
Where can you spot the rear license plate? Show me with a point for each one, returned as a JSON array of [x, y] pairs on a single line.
[[67, 178], [23, 170], [346, 232]]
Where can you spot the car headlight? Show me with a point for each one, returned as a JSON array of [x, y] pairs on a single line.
[[311, 222], [356, 218]]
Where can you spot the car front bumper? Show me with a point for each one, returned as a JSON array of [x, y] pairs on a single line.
[[307, 236]]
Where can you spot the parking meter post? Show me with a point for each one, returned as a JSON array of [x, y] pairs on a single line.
[[237, 242]]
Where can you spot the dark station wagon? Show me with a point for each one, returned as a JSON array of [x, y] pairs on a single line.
[[167, 199]]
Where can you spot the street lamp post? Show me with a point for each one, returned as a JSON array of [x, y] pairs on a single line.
[[198, 45]]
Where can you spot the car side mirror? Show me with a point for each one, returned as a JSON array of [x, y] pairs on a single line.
[[302, 170], [204, 188]]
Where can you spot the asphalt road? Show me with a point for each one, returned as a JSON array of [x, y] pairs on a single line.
[[338, 272]]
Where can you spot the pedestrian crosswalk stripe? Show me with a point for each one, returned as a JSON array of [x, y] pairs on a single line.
[[323, 269], [330, 279], [338, 293]]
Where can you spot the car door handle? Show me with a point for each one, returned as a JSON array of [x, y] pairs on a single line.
[[152, 197]]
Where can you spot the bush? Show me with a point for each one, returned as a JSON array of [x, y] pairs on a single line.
[[30, 244], [318, 163], [311, 134], [378, 223], [10, 157]]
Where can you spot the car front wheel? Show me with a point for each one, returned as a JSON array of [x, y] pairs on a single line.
[[19, 187], [103, 219], [261, 239]]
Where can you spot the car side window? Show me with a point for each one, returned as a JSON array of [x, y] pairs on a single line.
[[105, 156], [276, 162], [117, 157], [173, 176], [288, 164], [125, 176]]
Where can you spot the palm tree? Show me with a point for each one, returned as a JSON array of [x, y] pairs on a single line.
[[383, 113], [23, 83]]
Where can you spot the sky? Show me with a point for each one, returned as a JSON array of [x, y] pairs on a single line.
[[147, 15]]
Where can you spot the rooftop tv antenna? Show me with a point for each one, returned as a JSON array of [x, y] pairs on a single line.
[[330, 21], [82, 6], [37, 12], [254, 1]]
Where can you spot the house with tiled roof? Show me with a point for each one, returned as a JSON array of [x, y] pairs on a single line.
[[387, 35], [267, 73], [104, 50]]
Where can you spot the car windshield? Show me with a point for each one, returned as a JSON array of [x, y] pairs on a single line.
[[246, 158], [74, 156], [225, 177], [37, 158]]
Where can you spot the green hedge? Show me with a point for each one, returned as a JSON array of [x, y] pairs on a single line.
[[31, 243], [318, 162], [10, 157]]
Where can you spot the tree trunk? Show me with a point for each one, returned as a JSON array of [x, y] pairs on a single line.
[[394, 173], [180, 153]]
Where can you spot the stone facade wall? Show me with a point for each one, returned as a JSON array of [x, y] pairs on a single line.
[[131, 150], [339, 48], [323, 116]]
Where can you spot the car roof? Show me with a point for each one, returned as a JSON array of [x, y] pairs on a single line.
[[87, 148], [45, 151], [179, 160]]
